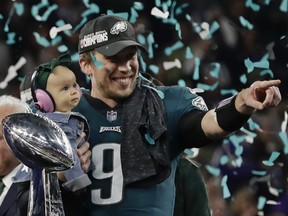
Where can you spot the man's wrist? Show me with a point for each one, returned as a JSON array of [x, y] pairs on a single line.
[[228, 117]]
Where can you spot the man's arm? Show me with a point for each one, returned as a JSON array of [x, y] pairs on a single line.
[[259, 96]]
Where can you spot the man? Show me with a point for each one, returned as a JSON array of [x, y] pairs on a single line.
[[138, 130], [14, 198]]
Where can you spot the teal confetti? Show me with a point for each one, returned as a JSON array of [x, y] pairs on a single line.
[[189, 152], [19, 8], [141, 39], [181, 82], [149, 139], [62, 48], [77, 27], [134, 15], [225, 189], [259, 173], [224, 160], [151, 42], [207, 87], [214, 27], [215, 72], [261, 202], [267, 71], [213, 170], [41, 40], [263, 63], [246, 23], [160, 93], [284, 6], [138, 6], [249, 65], [284, 138], [36, 8], [97, 63], [154, 69], [6, 27], [168, 51], [11, 38], [56, 40], [267, 2], [124, 15], [188, 53], [1, 16], [196, 73], [179, 10], [272, 158], [228, 92], [253, 6], [86, 3], [243, 78], [92, 9]]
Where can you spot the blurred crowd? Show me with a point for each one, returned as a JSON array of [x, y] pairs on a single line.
[[249, 43]]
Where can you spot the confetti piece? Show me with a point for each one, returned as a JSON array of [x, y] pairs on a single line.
[[253, 6], [12, 72], [158, 13], [154, 69], [171, 64], [168, 50], [55, 30], [225, 189], [181, 82], [261, 202], [263, 63], [92, 9], [215, 72], [97, 63], [19, 8], [272, 158], [149, 139], [138, 5], [188, 53], [160, 93], [207, 87], [134, 15], [245, 23], [213, 170], [6, 27], [189, 152], [11, 38], [284, 6], [267, 71], [259, 173], [41, 40], [196, 74], [36, 8], [62, 48], [224, 160]]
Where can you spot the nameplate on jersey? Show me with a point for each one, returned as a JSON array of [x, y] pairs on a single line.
[[110, 129], [111, 116]]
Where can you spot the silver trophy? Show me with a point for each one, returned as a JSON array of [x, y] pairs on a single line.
[[40, 144]]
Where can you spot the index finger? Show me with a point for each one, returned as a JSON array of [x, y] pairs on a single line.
[[268, 83]]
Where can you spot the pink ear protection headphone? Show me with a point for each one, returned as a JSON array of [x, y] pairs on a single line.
[[43, 100]]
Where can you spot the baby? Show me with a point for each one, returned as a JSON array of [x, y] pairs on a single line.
[[55, 93]]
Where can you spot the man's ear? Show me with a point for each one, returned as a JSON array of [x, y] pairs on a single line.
[[85, 67]]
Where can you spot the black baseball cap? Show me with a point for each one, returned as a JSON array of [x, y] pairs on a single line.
[[108, 35]]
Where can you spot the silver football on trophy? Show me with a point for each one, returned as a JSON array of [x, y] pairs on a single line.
[[38, 142]]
